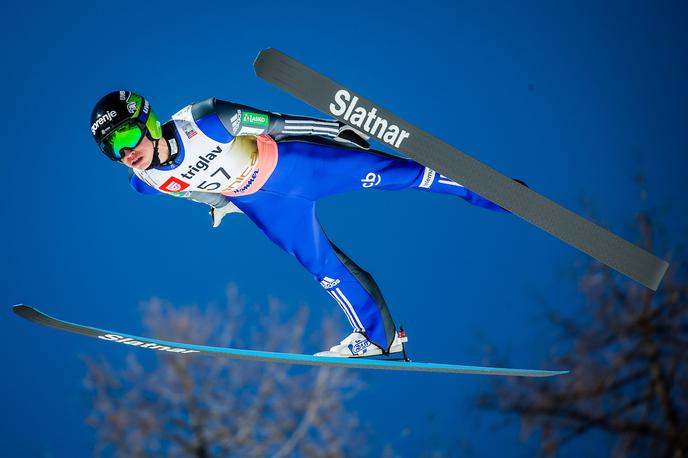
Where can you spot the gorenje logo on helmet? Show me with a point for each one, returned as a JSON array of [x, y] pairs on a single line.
[[107, 117]]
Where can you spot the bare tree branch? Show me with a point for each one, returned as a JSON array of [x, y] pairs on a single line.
[[208, 407], [629, 367]]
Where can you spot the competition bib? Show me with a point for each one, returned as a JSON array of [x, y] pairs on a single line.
[[207, 165]]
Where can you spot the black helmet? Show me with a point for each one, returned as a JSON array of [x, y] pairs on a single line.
[[120, 120]]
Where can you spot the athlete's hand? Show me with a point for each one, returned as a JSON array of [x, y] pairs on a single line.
[[216, 214], [351, 135], [521, 182]]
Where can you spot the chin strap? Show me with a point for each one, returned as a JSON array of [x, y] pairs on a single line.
[[156, 155]]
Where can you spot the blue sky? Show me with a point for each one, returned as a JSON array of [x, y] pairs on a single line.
[[574, 98]]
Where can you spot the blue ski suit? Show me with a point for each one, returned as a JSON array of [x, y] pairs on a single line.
[[316, 161]]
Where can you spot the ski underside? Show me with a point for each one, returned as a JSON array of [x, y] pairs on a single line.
[[36, 316]]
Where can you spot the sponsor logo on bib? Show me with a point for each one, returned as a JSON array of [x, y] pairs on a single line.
[[188, 129], [174, 185], [248, 183]]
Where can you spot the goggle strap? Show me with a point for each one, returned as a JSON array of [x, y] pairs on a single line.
[[145, 111]]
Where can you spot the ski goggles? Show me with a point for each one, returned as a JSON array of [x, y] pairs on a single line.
[[126, 136]]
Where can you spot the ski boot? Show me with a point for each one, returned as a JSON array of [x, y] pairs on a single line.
[[356, 345]]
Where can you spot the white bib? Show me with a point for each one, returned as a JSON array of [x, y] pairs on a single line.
[[207, 165]]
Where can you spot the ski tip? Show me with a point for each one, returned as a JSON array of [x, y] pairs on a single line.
[[267, 51], [262, 56], [24, 311]]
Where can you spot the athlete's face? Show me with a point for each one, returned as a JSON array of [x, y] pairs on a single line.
[[141, 156]]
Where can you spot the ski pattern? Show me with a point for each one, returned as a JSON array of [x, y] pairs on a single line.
[[36, 316]]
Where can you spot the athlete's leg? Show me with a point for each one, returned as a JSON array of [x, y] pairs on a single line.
[[291, 223], [432, 181], [315, 171]]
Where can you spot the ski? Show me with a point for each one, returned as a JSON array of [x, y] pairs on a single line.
[[360, 113], [36, 316]]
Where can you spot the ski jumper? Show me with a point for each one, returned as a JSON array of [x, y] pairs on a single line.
[[275, 168]]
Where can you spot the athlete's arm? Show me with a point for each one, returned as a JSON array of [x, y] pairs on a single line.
[[240, 119], [208, 198], [244, 120], [140, 186], [219, 204]]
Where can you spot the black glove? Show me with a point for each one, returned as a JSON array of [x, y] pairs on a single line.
[[351, 135], [521, 182], [216, 214]]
